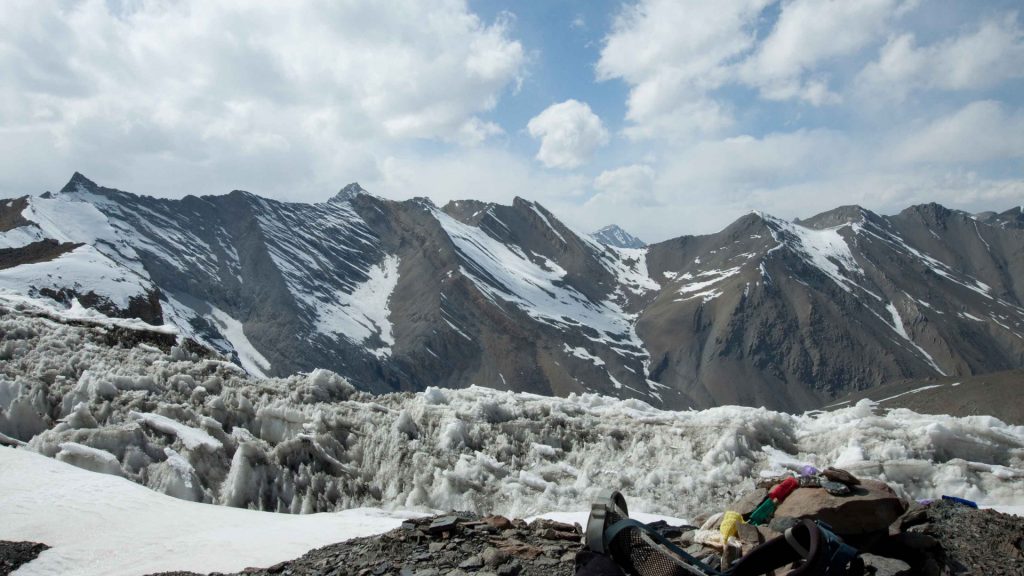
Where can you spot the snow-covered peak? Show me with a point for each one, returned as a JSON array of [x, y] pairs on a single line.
[[613, 235], [348, 193], [78, 183]]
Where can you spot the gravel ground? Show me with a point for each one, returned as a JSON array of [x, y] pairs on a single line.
[[445, 546], [975, 541]]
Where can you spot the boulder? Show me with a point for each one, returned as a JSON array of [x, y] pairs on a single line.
[[840, 475], [749, 501], [497, 522], [872, 506], [835, 488], [883, 566]]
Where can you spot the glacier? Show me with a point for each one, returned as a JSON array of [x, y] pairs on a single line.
[[195, 426]]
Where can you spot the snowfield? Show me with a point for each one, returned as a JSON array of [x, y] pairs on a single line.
[[97, 524], [200, 429]]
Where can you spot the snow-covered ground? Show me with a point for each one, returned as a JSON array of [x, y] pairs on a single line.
[[97, 524]]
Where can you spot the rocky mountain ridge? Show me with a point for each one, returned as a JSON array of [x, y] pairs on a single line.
[[405, 295]]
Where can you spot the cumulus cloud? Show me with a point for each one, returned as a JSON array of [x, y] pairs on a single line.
[[808, 33], [569, 134], [672, 53], [628, 185], [255, 92], [973, 60], [675, 55]]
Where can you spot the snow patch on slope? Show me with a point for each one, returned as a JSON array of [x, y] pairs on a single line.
[[581, 353], [824, 249], [897, 325], [701, 288], [233, 331], [67, 218], [364, 312], [85, 269], [504, 274], [21, 236], [629, 266]]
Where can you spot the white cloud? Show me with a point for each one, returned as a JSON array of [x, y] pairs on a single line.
[[974, 60], [675, 55], [979, 132], [474, 132], [628, 185], [569, 134], [890, 192], [259, 93], [671, 53], [809, 33], [485, 173]]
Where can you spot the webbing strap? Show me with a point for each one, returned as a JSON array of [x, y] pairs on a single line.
[[843, 559], [621, 525]]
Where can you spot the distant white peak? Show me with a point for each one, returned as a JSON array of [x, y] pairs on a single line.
[[349, 192], [613, 235]]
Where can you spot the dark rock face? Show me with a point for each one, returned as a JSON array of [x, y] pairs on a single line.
[[14, 554], [773, 313], [10, 213], [41, 251], [405, 295]]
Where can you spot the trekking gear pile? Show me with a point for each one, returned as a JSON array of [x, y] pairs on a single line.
[[640, 550], [809, 547]]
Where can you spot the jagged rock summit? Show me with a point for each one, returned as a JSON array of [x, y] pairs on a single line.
[[612, 235], [404, 295]]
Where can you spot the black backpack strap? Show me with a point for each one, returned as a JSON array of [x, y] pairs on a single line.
[[822, 552], [621, 525], [590, 563], [841, 558]]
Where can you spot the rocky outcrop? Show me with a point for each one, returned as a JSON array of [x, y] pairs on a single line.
[[14, 554], [41, 251], [10, 213], [454, 545]]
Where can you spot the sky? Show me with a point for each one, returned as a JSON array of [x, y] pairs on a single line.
[[666, 117]]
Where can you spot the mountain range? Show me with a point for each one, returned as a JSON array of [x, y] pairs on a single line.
[[403, 295]]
